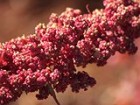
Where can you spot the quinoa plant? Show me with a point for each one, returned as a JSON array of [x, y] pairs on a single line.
[[46, 60]]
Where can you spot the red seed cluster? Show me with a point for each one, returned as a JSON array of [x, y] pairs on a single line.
[[46, 61]]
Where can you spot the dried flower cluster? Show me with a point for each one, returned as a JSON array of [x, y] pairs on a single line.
[[45, 61]]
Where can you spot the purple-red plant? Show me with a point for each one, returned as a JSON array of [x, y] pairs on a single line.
[[45, 61]]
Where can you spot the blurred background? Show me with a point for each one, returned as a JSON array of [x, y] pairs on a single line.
[[118, 83]]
